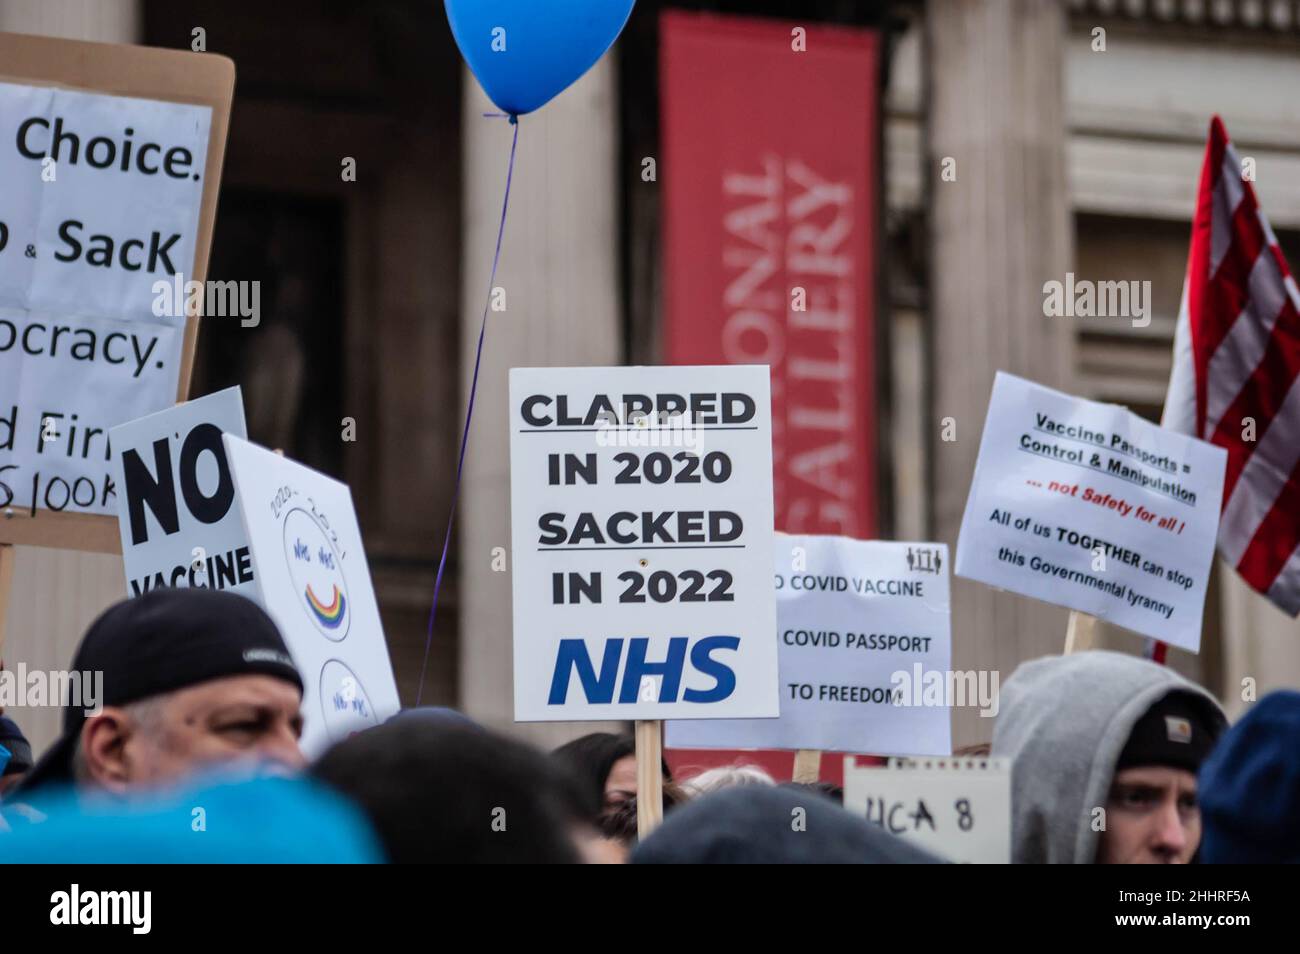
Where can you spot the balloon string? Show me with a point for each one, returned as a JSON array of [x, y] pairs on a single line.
[[469, 410]]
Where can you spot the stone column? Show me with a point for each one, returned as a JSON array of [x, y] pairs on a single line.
[[560, 272], [997, 233], [104, 21]]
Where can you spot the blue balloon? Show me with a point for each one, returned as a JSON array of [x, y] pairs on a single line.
[[526, 52]]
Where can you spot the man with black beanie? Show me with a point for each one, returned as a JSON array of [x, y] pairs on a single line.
[[192, 679], [1152, 814]]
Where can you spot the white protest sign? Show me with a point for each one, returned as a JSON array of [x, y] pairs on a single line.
[[960, 809], [101, 200], [641, 510], [313, 579], [857, 622], [176, 499], [1089, 506]]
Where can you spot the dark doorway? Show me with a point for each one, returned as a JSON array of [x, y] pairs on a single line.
[[291, 364]]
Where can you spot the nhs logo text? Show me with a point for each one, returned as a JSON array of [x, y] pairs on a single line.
[[634, 678]]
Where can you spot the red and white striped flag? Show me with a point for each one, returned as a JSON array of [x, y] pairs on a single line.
[[1236, 374]]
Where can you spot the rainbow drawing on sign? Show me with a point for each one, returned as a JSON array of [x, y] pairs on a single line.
[[316, 571], [329, 615]]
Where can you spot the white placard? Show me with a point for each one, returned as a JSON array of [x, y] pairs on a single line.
[[101, 198], [1089, 506], [641, 509], [960, 809], [857, 621], [313, 579], [176, 498]]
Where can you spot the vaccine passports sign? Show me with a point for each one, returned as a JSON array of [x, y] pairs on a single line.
[[1089, 506], [642, 532]]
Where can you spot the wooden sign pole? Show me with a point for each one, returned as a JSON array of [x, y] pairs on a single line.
[[1079, 633], [807, 767], [7, 556], [649, 776]]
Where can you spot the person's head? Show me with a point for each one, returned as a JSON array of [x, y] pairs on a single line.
[[621, 823], [725, 776], [440, 792], [439, 714], [169, 736], [192, 680], [262, 820], [605, 765], [1104, 749], [764, 824], [1152, 815], [1250, 787], [828, 790]]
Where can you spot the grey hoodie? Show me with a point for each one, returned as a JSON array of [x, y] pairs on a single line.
[[1064, 721]]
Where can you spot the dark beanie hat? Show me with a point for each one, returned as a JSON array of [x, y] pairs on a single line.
[[1250, 787], [166, 640], [1175, 732]]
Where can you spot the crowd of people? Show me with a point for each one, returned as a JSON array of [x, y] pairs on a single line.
[[193, 756]]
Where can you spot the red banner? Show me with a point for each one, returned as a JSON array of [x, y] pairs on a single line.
[[769, 169]]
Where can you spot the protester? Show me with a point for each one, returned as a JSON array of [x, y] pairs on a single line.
[[439, 792], [192, 679], [1105, 749], [825, 789], [1250, 787], [439, 714], [19, 760], [758, 824], [211, 821], [725, 776], [605, 765], [621, 823]]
